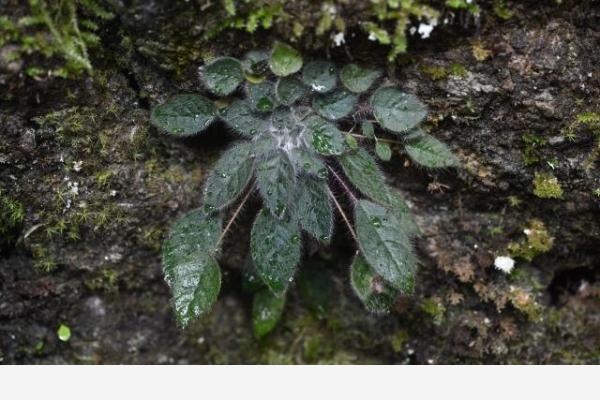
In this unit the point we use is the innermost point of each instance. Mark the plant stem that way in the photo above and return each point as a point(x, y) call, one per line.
point(379, 139)
point(341, 181)
point(343, 214)
point(236, 213)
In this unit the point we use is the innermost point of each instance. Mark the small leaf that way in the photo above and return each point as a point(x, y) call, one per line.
point(276, 181)
point(397, 111)
point(184, 114)
point(351, 142)
point(261, 96)
point(335, 105)
point(289, 90)
point(189, 265)
point(316, 287)
point(63, 333)
point(426, 150)
point(240, 116)
point(358, 79)
point(275, 247)
point(385, 245)
point(229, 177)
point(223, 75)
point(368, 129)
point(363, 172)
point(320, 76)
point(326, 139)
point(313, 208)
point(251, 281)
point(375, 294)
point(266, 312)
point(383, 151)
point(256, 65)
point(285, 60)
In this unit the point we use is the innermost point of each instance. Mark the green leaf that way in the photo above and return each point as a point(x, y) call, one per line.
point(223, 75)
point(394, 200)
point(289, 90)
point(351, 142)
point(266, 312)
point(275, 247)
point(358, 79)
point(363, 172)
point(189, 265)
point(313, 208)
point(383, 151)
point(184, 114)
point(63, 333)
point(371, 289)
point(385, 245)
point(229, 177)
point(326, 139)
point(368, 129)
point(285, 60)
point(261, 96)
point(397, 111)
point(428, 151)
point(335, 105)
point(309, 162)
point(251, 281)
point(240, 116)
point(320, 76)
point(316, 287)
point(276, 180)
point(256, 65)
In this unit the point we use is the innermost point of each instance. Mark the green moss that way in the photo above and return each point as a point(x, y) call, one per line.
point(538, 241)
point(398, 340)
point(531, 148)
point(546, 186)
point(435, 309)
point(12, 215)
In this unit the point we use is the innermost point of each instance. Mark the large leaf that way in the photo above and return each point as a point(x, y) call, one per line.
point(285, 60)
point(229, 178)
point(325, 138)
point(364, 173)
point(307, 161)
point(275, 247)
point(313, 208)
point(261, 96)
point(189, 264)
point(396, 110)
point(426, 150)
point(184, 114)
point(385, 245)
point(376, 295)
point(335, 105)
point(266, 312)
point(223, 75)
point(394, 200)
point(276, 181)
point(358, 79)
point(240, 116)
point(320, 76)
point(289, 90)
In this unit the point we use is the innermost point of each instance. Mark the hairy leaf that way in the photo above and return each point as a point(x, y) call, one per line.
point(320, 76)
point(276, 181)
point(326, 139)
point(285, 60)
point(184, 114)
point(289, 90)
point(240, 116)
point(313, 209)
point(335, 105)
point(393, 199)
point(189, 265)
point(364, 173)
point(371, 289)
point(261, 96)
point(428, 151)
point(223, 75)
point(367, 129)
point(397, 111)
point(229, 177)
point(385, 245)
point(358, 79)
point(266, 312)
point(307, 161)
point(383, 151)
point(275, 247)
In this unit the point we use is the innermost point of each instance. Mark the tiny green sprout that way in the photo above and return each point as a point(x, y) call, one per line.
point(63, 333)
point(307, 152)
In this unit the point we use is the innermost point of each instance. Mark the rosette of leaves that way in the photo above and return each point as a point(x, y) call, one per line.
point(304, 145)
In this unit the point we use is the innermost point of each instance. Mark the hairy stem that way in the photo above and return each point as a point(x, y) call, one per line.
point(236, 213)
point(341, 181)
point(343, 214)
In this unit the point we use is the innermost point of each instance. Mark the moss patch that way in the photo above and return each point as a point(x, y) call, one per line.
point(546, 186)
point(538, 241)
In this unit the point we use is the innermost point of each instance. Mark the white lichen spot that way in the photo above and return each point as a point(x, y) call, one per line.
point(504, 264)
point(77, 166)
point(339, 39)
point(425, 29)
point(372, 37)
point(317, 87)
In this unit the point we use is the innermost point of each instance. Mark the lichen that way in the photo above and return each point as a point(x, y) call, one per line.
point(546, 186)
